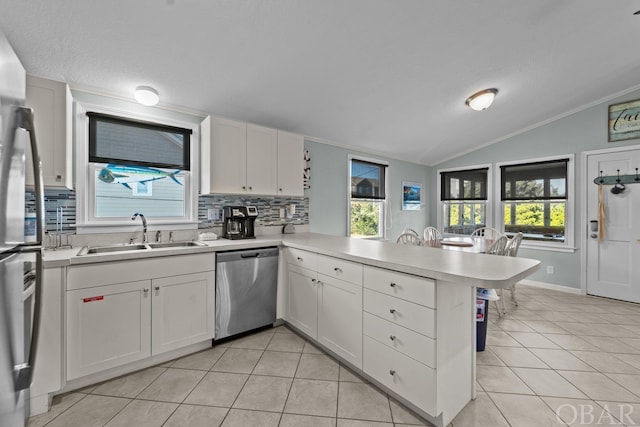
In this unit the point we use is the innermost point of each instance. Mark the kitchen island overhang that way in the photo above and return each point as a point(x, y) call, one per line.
point(480, 270)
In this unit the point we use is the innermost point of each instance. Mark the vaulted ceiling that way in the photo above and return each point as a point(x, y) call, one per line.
point(384, 76)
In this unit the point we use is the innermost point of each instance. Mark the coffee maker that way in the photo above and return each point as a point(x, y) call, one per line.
point(239, 222)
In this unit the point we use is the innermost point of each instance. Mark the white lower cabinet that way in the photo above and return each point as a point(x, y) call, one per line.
point(326, 309)
point(181, 311)
point(340, 318)
point(409, 378)
point(107, 326)
point(302, 304)
point(110, 325)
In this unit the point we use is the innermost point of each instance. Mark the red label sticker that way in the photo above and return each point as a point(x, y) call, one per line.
point(100, 298)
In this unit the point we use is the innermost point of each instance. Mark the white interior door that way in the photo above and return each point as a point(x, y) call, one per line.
point(613, 264)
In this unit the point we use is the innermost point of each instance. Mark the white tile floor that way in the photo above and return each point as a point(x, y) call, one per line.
point(557, 353)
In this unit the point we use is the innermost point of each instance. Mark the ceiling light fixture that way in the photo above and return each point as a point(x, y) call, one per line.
point(481, 100)
point(146, 95)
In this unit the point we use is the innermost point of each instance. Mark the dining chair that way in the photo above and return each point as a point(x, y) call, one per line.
point(410, 239)
point(431, 233)
point(486, 233)
point(499, 247)
point(512, 250)
point(410, 230)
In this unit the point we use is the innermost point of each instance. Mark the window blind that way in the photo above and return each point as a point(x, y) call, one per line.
point(464, 185)
point(367, 180)
point(534, 181)
point(118, 140)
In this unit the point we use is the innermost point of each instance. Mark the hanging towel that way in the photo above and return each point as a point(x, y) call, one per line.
point(601, 214)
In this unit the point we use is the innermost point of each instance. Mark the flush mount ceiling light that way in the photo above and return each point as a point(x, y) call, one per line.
point(146, 95)
point(481, 100)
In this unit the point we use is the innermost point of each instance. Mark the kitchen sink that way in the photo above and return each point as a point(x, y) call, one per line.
point(89, 250)
point(94, 250)
point(174, 245)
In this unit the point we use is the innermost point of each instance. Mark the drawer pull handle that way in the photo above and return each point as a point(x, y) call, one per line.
point(145, 290)
point(392, 337)
point(300, 259)
point(157, 288)
point(393, 285)
point(392, 311)
point(313, 280)
point(337, 270)
point(392, 372)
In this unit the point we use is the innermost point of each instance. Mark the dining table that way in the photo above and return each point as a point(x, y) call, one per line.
point(461, 243)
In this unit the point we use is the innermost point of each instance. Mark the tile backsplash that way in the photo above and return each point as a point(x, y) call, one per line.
point(268, 208)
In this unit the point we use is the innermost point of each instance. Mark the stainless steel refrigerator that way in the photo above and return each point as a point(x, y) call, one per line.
point(20, 262)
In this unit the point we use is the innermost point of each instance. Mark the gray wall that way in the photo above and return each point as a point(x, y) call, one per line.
point(583, 131)
point(328, 194)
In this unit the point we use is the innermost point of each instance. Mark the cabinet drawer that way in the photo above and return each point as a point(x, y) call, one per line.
point(411, 288)
point(405, 376)
point(412, 344)
point(340, 269)
point(413, 316)
point(301, 258)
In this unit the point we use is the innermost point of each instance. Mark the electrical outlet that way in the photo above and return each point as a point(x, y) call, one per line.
point(213, 214)
point(550, 269)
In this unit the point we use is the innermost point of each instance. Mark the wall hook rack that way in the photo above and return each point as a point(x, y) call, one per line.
point(617, 179)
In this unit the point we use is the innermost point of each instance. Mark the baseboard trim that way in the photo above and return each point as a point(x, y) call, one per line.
point(553, 287)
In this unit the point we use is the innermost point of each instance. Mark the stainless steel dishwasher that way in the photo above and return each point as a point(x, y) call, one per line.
point(246, 290)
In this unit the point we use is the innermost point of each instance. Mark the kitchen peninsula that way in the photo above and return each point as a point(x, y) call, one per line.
point(401, 316)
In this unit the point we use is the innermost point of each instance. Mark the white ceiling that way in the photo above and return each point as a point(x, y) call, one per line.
point(384, 76)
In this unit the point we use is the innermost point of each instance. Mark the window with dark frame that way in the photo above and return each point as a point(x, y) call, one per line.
point(367, 198)
point(463, 194)
point(534, 198)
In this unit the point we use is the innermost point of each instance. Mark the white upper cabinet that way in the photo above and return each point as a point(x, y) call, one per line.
point(290, 164)
point(241, 158)
point(52, 105)
point(262, 155)
point(223, 156)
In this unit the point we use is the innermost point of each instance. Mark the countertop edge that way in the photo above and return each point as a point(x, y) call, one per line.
point(488, 271)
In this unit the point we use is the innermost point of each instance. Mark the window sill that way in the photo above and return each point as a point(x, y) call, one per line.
point(548, 248)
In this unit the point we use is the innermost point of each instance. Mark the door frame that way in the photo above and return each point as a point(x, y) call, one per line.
point(583, 206)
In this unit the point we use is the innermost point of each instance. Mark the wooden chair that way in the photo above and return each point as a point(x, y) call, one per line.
point(430, 234)
point(410, 230)
point(410, 239)
point(499, 247)
point(512, 250)
point(486, 233)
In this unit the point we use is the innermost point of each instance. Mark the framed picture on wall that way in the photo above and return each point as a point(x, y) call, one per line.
point(411, 196)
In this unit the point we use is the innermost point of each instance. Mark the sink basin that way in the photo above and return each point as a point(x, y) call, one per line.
point(174, 245)
point(88, 250)
point(93, 250)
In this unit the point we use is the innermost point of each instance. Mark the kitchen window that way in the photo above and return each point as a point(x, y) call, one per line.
point(367, 198)
point(133, 164)
point(537, 201)
point(463, 196)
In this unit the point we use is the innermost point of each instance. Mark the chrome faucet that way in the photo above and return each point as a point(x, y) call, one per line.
point(144, 225)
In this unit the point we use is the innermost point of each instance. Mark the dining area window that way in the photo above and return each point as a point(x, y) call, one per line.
point(534, 198)
point(463, 196)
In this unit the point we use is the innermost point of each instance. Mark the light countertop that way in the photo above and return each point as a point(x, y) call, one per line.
point(488, 271)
